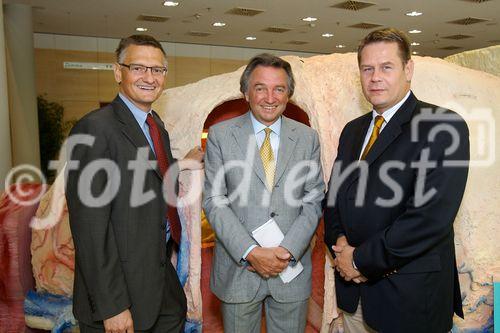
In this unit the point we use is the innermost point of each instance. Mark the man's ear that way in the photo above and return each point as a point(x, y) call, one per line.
point(117, 70)
point(409, 70)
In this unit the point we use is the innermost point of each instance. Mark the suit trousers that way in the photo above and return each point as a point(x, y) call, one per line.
point(280, 317)
point(354, 323)
point(173, 310)
point(164, 324)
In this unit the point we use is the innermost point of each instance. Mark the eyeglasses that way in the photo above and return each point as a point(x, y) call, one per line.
point(141, 70)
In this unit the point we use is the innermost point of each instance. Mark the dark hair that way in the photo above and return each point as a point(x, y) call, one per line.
point(143, 40)
point(267, 60)
point(389, 35)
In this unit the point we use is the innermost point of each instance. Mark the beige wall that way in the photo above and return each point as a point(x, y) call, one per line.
point(81, 91)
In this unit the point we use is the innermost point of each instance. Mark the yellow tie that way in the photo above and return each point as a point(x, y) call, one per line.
point(267, 156)
point(379, 120)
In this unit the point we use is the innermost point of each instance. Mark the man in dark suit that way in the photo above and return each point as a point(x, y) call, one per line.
point(395, 190)
point(120, 167)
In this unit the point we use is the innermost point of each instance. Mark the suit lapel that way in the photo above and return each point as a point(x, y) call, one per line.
point(164, 136)
point(390, 132)
point(133, 132)
point(359, 137)
point(393, 129)
point(288, 141)
point(355, 151)
point(244, 135)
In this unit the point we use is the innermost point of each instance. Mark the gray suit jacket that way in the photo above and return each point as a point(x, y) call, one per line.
point(237, 201)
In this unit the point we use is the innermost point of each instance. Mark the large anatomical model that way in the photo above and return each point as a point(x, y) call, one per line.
point(328, 90)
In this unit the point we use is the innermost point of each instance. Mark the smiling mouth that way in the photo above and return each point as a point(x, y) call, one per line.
point(147, 88)
point(270, 107)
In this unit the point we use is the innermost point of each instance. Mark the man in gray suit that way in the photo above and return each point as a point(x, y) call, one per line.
point(262, 167)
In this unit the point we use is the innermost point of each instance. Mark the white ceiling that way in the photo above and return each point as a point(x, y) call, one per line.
point(118, 18)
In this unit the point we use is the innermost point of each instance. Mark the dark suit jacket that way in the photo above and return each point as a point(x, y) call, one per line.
point(406, 249)
point(120, 249)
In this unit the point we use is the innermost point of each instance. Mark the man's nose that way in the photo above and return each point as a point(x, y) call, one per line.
point(269, 96)
point(148, 76)
point(375, 75)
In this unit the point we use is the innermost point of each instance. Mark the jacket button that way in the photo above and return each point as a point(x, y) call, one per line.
point(163, 264)
point(273, 214)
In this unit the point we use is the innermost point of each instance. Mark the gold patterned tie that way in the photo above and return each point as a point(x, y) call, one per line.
point(379, 120)
point(267, 156)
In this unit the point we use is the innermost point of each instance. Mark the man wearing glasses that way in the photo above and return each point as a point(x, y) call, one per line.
point(124, 280)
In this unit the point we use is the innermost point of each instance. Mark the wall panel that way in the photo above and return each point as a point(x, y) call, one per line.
point(81, 91)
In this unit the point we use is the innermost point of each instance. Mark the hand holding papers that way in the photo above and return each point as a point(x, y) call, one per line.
point(270, 235)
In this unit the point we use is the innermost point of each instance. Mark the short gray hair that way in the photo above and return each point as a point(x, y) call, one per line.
point(267, 60)
point(142, 40)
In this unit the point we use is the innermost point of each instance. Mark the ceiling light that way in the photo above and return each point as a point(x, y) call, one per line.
point(250, 38)
point(415, 44)
point(141, 29)
point(309, 19)
point(170, 3)
point(414, 52)
point(340, 46)
point(327, 35)
point(413, 13)
point(219, 24)
point(415, 31)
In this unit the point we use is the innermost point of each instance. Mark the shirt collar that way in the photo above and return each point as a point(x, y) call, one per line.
point(258, 126)
point(139, 115)
point(389, 113)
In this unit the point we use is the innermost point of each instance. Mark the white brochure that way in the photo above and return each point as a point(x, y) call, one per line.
point(270, 235)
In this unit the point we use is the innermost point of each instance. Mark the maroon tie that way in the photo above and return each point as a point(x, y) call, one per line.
point(161, 157)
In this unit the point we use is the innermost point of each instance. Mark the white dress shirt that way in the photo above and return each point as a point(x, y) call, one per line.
point(388, 114)
point(260, 135)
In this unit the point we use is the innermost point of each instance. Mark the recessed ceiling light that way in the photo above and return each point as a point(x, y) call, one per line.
point(250, 38)
point(415, 44)
point(309, 19)
point(141, 29)
point(415, 31)
point(219, 24)
point(414, 52)
point(413, 13)
point(170, 3)
point(327, 35)
point(340, 46)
